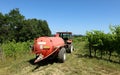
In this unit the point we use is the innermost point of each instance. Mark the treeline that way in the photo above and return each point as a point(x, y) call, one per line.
point(103, 44)
point(14, 26)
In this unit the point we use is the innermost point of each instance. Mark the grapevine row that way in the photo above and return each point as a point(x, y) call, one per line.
point(103, 44)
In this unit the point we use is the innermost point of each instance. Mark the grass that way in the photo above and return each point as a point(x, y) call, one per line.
point(77, 63)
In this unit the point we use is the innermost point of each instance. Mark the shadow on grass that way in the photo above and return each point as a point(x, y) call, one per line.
point(98, 58)
point(42, 63)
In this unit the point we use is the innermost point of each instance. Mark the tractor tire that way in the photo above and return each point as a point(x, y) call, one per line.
point(70, 47)
point(62, 55)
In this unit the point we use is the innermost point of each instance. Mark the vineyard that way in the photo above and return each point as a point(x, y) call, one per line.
point(105, 45)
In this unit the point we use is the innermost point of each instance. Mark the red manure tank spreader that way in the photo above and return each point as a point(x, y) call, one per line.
point(45, 47)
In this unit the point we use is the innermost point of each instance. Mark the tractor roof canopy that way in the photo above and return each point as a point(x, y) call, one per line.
point(64, 32)
point(65, 35)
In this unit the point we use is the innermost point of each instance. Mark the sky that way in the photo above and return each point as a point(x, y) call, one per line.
point(77, 16)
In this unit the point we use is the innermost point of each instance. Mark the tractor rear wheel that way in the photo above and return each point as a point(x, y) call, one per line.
point(62, 55)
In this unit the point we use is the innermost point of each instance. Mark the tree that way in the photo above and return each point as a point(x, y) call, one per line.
point(45, 28)
point(14, 26)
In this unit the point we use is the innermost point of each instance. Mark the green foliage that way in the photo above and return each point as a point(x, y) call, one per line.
point(104, 43)
point(14, 50)
point(13, 25)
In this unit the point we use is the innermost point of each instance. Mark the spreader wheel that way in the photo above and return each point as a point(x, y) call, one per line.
point(62, 55)
point(70, 48)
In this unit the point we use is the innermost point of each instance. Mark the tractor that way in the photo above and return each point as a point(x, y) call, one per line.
point(67, 37)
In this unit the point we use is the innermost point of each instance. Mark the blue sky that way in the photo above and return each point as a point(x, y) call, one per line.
point(77, 16)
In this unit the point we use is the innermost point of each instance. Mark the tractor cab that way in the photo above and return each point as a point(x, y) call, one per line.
point(67, 37)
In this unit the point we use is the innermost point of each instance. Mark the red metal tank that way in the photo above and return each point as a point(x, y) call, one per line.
point(46, 46)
